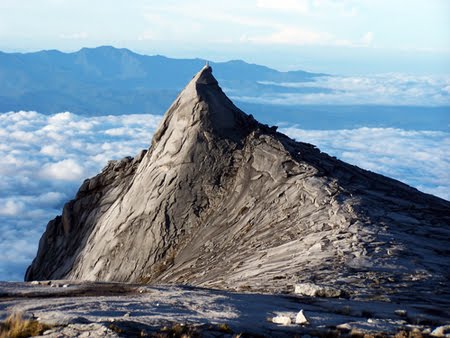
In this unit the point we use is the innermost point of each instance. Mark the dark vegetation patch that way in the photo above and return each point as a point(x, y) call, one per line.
point(15, 326)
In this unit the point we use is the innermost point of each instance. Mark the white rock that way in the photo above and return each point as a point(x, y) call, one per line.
point(300, 318)
point(441, 331)
point(306, 289)
point(48, 332)
point(401, 313)
point(65, 286)
point(282, 320)
point(35, 282)
point(344, 327)
point(313, 290)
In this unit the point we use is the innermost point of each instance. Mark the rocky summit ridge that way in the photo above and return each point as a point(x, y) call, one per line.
point(220, 200)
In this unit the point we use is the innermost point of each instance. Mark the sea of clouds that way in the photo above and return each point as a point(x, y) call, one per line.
point(382, 89)
point(45, 158)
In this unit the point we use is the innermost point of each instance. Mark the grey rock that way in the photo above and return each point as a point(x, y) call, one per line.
point(80, 330)
point(282, 320)
point(220, 200)
point(441, 331)
point(313, 290)
point(76, 311)
point(346, 327)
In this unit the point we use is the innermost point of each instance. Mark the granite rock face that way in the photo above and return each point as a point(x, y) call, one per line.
point(220, 200)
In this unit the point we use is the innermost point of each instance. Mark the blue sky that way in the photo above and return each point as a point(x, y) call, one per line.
point(345, 36)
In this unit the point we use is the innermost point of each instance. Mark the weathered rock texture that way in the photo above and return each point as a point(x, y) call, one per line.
point(220, 200)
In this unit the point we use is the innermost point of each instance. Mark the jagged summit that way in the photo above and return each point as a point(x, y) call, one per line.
point(204, 76)
point(220, 200)
point(204, 103)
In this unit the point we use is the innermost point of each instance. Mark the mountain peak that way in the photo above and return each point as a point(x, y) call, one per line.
point(221, 201)
point(202, 105)
point(204, 76)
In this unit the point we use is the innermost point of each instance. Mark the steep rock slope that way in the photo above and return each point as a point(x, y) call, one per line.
point(221, 200)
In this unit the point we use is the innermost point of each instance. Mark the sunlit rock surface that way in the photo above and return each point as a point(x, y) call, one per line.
point(130, 310)
point(220, 200)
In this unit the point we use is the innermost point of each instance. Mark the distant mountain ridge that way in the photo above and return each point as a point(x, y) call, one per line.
point(111, 81)
point(107, 80)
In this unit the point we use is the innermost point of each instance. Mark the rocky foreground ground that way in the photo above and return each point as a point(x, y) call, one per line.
point(74, 309)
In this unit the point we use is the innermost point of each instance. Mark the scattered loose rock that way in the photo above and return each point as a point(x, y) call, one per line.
point(441, 331)
point(401, 313)
point(282, 320)
point(131, 312)
point(300, 318)
point(344, 327)
point(313, 290)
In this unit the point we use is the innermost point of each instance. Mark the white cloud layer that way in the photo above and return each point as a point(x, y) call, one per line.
point(65, 170)
point(45, 159)
point(418, 158)
point(383, 89)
